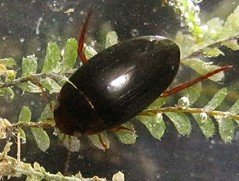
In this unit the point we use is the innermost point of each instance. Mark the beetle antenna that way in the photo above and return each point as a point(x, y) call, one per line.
point(82, 39)
point(192, 82)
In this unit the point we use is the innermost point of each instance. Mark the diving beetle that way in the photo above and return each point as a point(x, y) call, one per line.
point(118, 83)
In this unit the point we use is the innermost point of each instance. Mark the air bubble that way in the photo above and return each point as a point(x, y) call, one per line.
point(70, 19)
point(183, 102)
point(55, 133)
point(203, 117)
point(32, 103)
point(134, 32)
point(55, 5)
point(23, 141)
point(197, 9)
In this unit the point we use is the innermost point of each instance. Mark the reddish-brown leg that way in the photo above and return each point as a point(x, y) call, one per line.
point(192, 82)
point(104, 145)
point(82, 39)
point(119, 128)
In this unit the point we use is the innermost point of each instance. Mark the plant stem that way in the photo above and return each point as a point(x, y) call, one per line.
point(223, 114)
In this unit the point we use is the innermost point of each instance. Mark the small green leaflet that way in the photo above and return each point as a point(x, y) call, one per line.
point(52, 60)
point(226, 129)
point(70, 54)
point(231, 26)
point(7, 93)
point(96, 140)
point(42, 138)
point(126, 136)
point(25, 115)
point(158, 103)
point(51, 85)
point(214, 26)
point(204, 67)
point(72, 143)
point(47, 115)
point(29, 65)
point(111, 39)
point(180, 121)
point(193, 93)
point(8, 62)
point(154, 124)
point(89, 52)
point(30, 87)
point(216, 100)
point(213, 52)
point(235, 109)
point(232, 44)
point(205, 124)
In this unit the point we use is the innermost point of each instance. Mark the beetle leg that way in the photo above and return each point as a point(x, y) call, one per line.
point(82, 39)
point(192, 82)
point(104, 145)
point(119, 128)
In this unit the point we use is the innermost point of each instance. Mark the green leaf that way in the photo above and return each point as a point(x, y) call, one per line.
point(72, 143)
point(50, 85)
point(126, 136)
point(70, 54)
point(30, 87)
point(232, 44)
point(234, 109)
point(193, 93)
point(231, 26)
point(89, 52)
point(29, 65)
point(42, 138)
point(52, 59)
point(96, 140)
point(180, 121)
point(25, 115)
point(186, 44)
point(47, 115)
point(214, 26)
point(213, 52)
point(226, 128)
point(216, 100)
point(204, 67)
point(10, 76)
point(154, 124)
point(111, 39)
point(158, 103)
point(7, 93)
point(205, 124)
point(8, 62)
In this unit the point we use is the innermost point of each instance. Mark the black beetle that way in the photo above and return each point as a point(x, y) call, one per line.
point(116, 85)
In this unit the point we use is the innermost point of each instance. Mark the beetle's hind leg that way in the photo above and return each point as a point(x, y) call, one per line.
point(192, 82)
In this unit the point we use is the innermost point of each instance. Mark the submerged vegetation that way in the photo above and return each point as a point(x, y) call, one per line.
point(200, 41)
